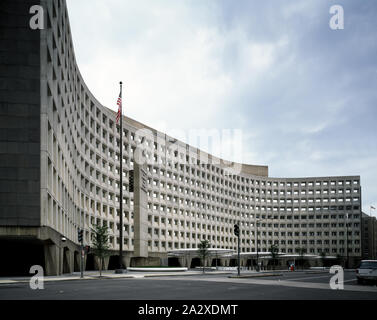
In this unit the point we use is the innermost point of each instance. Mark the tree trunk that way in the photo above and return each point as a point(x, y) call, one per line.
point(100, 267)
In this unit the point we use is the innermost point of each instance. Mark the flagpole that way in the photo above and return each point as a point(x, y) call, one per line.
point(121, 187)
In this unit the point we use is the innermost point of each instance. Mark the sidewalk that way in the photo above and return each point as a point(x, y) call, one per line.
point(94, 275)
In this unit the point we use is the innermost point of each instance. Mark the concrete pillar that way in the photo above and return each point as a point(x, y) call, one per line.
point(96, 263)
point(185, 261)
point(126, 261)
point(76, 261)
point(68, 260)
point(164, 261)
point(182, 261)
point(71, 261)
point(84, 262)
point(106, 263)
point(52, 260)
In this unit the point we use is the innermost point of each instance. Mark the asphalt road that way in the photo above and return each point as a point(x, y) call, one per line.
point(207, 287)
point(314, 277)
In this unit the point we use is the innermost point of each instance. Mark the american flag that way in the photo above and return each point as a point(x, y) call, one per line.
point(119, 103)
point(373, 208)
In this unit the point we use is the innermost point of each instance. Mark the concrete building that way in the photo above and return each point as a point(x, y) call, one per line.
point(59, 172)
point(369, 237)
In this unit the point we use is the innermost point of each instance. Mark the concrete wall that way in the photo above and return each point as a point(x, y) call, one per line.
point(19, 116)
point(140, 209)
point(369, 237)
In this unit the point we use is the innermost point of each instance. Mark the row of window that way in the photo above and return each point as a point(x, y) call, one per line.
point(176, 245)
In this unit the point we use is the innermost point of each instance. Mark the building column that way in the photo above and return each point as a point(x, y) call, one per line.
point(182, 261)
point(84, 262)
point(140, 208)
point(96, 263)
point(106, 261)
point(68, 260)
point(76, 261)
point(126, 261)
point(52, 260)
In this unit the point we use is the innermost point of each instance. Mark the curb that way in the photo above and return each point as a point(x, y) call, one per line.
point(45, 280)
point(108, 277)
point(182, 274)
point(257, 275)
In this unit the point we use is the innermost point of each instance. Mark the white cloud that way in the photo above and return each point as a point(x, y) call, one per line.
point(171, 72)
point(185, 67)
point(173, 69)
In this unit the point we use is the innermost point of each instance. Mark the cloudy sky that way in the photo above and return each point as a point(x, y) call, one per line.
point(303, 96)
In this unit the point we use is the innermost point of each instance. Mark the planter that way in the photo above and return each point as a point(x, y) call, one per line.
point(135, 269)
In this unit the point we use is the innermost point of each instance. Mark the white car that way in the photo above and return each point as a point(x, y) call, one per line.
point(367, 271)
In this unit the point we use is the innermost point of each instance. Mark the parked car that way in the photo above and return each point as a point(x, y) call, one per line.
point(367, 271)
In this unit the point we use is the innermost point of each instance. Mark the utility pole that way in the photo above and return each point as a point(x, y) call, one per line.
point(81, 240)
point(237, 233)
point(239, 255)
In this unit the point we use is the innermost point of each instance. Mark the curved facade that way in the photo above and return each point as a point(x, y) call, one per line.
point(188, 199)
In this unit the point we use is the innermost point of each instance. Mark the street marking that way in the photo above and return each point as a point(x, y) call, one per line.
point(7, 281)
